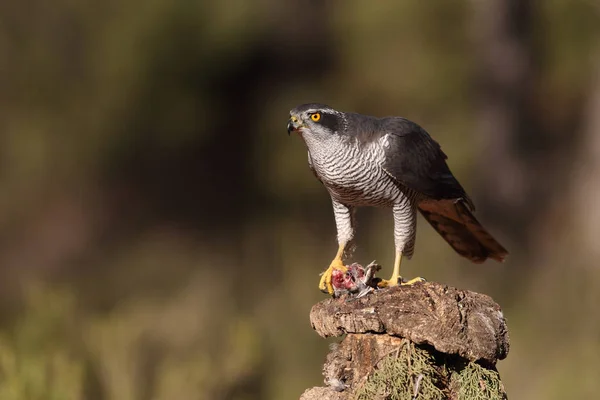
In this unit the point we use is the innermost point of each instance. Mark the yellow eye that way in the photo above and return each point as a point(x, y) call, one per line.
point(315, 117)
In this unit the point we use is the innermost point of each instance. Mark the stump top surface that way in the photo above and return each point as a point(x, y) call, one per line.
point(451, 320)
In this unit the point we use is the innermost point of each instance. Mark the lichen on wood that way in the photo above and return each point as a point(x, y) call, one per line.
point(405, 373)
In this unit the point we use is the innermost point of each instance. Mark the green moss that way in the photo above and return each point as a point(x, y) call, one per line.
point(395, 377)
point(438, 377)
point(476, 382)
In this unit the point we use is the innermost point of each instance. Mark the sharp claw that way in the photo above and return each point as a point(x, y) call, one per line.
point(401, 282)
point(325, 284)
point(412, 281)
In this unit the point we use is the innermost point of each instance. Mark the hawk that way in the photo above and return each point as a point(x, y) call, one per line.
point(388, 162)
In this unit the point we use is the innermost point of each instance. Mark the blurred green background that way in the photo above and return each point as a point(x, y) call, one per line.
point(161, 236)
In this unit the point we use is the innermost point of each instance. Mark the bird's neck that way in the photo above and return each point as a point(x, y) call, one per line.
point(322, 147)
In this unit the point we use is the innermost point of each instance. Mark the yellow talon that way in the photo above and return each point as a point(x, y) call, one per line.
point(413, 281)
point(387, 283)
point(396, 278)
point(337, 263)
point(325, 283)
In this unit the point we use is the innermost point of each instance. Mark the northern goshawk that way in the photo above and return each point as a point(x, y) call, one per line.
point(388, 162)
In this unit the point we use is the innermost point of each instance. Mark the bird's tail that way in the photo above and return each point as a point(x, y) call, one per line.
point(459, 227)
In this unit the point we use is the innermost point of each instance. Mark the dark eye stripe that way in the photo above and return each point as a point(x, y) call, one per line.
point(330, 121)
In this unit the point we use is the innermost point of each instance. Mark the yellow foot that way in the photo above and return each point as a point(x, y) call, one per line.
point(396, 281)
point(325, 283)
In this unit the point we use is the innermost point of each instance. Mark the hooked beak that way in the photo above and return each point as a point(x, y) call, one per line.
point(292, 125)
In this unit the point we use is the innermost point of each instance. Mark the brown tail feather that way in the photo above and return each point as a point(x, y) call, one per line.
point(459, 227)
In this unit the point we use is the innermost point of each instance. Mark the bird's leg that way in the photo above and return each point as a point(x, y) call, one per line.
point(396, 279)
point(344, 222)
point(405, 227)
point(337, 263)
point(393, 281)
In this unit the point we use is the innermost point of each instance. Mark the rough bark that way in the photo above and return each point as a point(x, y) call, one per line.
point(427, 339)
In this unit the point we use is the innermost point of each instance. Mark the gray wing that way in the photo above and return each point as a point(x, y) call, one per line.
point(417, 161)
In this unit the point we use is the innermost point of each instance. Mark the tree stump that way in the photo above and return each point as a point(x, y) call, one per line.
point(424, 341)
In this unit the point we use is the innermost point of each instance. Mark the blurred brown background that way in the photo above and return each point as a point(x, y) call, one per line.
point(161, 236)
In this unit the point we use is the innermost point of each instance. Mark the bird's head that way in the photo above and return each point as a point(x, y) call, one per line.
point(316, 121)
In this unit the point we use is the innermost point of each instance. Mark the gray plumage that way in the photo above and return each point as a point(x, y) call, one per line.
point(389, 162)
